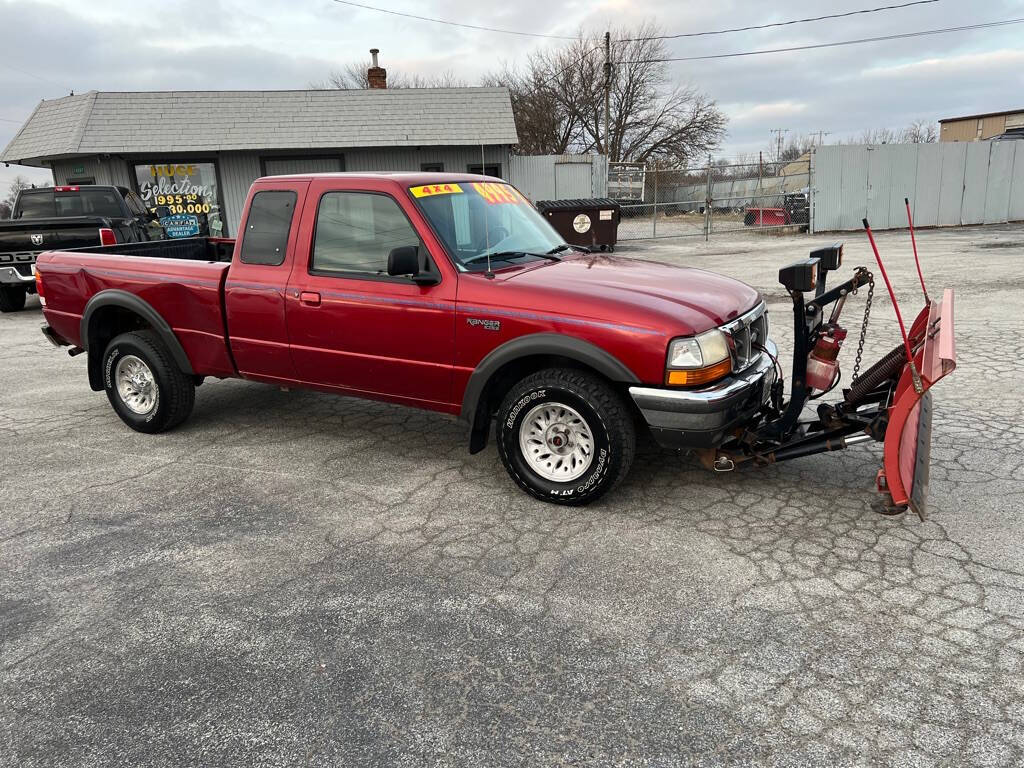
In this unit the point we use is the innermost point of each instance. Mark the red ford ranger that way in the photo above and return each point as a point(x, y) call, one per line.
point(441, 291)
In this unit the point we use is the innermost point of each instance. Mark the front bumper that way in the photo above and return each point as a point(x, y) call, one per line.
point(704, 418)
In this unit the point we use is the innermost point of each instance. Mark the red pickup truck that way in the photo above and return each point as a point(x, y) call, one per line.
point(443, 291)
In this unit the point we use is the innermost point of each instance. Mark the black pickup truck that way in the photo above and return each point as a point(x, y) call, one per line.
point(60, 218)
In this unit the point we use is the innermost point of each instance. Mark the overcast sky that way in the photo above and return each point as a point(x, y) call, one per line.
point(50, 48)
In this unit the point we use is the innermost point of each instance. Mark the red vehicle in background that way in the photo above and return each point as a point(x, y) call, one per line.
point(452, 293)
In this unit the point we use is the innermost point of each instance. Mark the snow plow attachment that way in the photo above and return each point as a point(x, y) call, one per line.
point(907, 456)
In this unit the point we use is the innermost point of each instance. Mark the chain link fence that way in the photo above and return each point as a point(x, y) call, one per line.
point(715, 198)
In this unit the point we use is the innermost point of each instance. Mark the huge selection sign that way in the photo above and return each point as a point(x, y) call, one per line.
point(184, 195)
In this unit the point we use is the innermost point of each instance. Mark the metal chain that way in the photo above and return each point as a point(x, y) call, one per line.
point(864, 328)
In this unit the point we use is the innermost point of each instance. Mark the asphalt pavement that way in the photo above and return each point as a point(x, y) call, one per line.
point(294, 578)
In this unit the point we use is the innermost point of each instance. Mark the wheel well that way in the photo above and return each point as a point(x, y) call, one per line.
point(503, 379)
point(105, 324)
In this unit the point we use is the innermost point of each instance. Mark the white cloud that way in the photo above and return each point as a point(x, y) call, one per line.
point(211, 44)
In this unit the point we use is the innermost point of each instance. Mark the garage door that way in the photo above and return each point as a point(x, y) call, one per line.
point(283, 165)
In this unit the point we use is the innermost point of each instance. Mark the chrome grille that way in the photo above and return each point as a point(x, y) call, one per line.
point(747, 334)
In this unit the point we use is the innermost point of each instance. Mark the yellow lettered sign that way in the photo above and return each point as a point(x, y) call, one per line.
point(496, 194)
point(429, 190)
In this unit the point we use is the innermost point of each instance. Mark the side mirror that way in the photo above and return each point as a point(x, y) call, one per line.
point(405, 261)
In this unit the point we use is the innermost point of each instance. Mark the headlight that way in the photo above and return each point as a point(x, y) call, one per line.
point(698, 359)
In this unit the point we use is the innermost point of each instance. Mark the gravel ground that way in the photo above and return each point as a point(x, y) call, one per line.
point(295, 578)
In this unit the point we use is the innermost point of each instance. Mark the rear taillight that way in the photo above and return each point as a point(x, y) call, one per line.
point(107, 236)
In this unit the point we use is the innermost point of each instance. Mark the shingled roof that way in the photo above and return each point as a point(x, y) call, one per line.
point(207, 121)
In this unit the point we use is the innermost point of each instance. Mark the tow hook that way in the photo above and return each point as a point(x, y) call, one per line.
point(723, 464)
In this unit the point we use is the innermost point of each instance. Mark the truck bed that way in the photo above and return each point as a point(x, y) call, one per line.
point(188, 249)
point(183, 281)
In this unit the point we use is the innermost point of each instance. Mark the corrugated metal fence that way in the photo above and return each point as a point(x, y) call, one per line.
point(949, 184)
point(559, 177)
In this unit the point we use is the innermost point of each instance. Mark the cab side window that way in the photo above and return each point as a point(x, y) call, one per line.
point(266, 229)
point(355, 232)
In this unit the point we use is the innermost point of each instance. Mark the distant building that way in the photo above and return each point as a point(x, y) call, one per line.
point(197, 152)
point(978, 127)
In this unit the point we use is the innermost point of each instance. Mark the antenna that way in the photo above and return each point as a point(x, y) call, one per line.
point(487, 234)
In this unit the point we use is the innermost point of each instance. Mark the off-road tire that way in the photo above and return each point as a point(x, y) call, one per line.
point(606, 415)
point(175, 391)
point(12, 298)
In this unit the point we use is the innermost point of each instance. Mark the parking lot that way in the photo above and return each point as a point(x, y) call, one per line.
point(293, 578)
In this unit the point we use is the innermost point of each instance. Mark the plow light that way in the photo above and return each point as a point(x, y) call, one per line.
point(800, 275)
point(697, 360)
point(830, 257)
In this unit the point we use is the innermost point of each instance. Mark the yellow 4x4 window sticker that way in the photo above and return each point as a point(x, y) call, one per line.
point(429, 190)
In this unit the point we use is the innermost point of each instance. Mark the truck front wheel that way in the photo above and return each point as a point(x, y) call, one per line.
point(145, 387)
point(12, 298)
point(565, 436)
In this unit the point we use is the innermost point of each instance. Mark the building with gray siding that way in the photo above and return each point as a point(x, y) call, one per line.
point(195, 153)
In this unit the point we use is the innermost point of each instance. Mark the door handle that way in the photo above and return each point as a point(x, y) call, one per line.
point(310, 298)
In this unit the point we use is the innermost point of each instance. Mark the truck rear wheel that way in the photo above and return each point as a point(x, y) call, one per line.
point(565, 436)
point(12, 298)
point(145, 387)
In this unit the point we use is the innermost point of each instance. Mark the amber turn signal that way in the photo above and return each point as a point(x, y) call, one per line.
point(698, 376)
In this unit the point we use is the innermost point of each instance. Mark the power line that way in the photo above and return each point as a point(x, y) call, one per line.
point(33, 74)
point(779, 23)
point(456, 23)
point(902, 36)
point(11, 120)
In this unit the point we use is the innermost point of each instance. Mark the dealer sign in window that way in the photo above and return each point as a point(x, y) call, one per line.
point(184, 196)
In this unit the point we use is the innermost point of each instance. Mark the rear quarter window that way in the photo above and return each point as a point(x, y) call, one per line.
point(36, 205)
point(266, 228)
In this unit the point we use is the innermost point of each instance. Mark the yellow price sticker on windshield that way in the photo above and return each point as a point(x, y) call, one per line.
point(429, 190)
point(496, 194)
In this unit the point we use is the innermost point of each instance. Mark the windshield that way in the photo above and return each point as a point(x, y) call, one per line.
point(475, 219)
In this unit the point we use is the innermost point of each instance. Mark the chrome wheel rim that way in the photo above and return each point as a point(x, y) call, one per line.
point(135, 384)
point(556, 442)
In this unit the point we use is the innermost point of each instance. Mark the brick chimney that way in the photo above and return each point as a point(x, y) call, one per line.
point(377, 76)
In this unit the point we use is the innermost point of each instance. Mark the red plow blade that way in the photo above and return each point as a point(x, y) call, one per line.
point(905, 471)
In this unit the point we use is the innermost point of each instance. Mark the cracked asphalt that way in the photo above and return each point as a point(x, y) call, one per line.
point(293, 578)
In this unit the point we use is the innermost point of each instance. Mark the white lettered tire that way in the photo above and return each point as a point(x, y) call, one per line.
point(565, 436)
point(144, 385)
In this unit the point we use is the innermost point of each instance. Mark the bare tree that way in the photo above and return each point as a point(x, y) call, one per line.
point(920, 132)
point(18, 183)
point(878, 136)
point(353, 76)
point(558, 100)
point(796, 147)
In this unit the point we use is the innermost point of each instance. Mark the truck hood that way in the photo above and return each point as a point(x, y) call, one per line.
point(690, 300)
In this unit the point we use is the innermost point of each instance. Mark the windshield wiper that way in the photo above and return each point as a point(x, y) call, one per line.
point(506, 255)
point(567, 247)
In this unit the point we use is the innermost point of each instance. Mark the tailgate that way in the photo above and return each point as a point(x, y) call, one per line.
point(36, 235)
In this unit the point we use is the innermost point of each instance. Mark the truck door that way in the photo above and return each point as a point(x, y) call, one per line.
point(254, 293)
point(351, 325)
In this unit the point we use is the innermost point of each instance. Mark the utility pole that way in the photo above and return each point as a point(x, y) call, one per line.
point(607, 96)
point(821, 136)
point(779, 133)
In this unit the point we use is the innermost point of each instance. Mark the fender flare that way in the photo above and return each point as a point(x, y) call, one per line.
point(525, 346)
point(131, 302)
